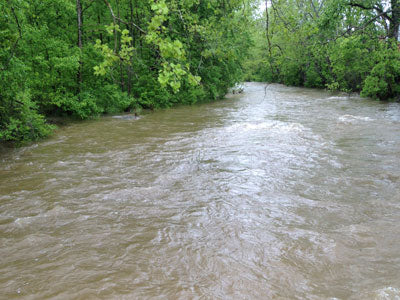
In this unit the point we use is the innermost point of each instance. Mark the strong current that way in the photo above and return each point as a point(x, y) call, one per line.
point(276, 193)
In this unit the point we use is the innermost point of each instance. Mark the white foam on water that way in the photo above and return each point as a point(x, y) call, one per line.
point(277, 126)
point(388, 293)
point(351, 119)
point(24, 221)
point(126, 117)
point(54, 213)
point(338, 97)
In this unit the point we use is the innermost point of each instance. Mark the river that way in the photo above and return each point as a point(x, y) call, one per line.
point(276, 193)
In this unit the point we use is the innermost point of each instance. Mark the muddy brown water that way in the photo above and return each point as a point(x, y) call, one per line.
point(276, 193)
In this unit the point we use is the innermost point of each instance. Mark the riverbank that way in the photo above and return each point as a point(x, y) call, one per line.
point(54, 122)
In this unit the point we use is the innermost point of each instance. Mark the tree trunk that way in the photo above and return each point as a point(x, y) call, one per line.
point(395, 20)
point(268, 38)
point(79, 21)
point(121, 69)
point(99, 25)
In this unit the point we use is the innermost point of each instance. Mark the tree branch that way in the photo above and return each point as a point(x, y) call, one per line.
point(115, 18)
point(378, 9)
point(14, 46)
point(354, 29)
point(89, 5)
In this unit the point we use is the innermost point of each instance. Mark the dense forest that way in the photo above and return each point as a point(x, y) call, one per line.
point(346, 45)
point(84, 58)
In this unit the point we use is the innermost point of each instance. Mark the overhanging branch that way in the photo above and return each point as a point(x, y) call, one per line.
point(378, 9)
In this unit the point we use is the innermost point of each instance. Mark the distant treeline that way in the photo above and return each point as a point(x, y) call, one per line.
point(346, 45)
point(83, 58)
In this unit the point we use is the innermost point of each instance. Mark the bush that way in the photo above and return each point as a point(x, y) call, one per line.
point(384, 80)
point(22, 123)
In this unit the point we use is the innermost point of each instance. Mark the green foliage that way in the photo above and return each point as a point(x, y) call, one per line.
point(24, 123)
point(383, 82)
point(331, 44)
point(125, 53)
point(173, 65)
point(160, 53)
point(350, 62)
point(155, 54)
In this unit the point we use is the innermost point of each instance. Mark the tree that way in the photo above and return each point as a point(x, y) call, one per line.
point(85, 58)
point(390, 14)
point(346, 45)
